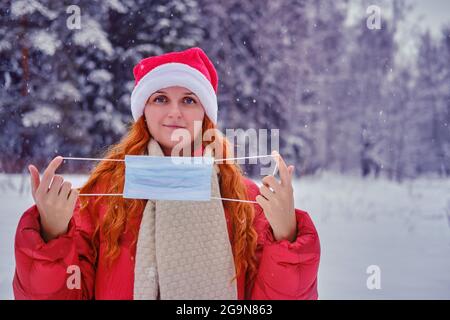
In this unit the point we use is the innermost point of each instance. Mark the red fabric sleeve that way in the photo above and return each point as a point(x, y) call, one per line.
point(286, 270)
point(42, 268)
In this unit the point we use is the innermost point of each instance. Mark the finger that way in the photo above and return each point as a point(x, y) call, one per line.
point(291, 170)
point(264, 203)
point(48, 174)
point(265, 191)
point(65, 190)
point(73, 196)
point(35, 180)
point(54, 189)
point(275, 170)
point(272, 182)
point(284, 173)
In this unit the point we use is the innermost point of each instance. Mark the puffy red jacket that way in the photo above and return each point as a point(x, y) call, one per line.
point(285, 270)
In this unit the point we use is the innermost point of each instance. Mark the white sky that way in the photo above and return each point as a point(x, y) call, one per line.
point(426, 14)
point(431, 14)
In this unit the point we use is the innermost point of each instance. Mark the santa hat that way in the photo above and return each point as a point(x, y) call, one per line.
point(190, 68)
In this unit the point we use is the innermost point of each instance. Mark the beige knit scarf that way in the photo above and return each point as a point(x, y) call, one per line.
point(183, 249)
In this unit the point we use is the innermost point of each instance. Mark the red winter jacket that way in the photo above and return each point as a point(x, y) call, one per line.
point(285, 270)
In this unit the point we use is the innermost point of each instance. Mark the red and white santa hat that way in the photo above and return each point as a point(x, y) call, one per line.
point(190, 68)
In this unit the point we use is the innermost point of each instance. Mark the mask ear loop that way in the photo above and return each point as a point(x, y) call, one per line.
point(275, 171)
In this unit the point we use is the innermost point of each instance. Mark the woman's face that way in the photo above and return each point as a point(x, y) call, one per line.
point(173, 108)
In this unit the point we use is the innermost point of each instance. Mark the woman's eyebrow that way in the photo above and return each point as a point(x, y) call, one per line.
point(186, 93)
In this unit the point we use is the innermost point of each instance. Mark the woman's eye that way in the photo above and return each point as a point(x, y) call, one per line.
point(189, 100)
point(160, 99)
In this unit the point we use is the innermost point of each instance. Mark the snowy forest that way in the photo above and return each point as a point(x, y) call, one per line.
point(341, 93)
point(358, 89)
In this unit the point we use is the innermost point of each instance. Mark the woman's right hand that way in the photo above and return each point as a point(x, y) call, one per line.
point(55, 202)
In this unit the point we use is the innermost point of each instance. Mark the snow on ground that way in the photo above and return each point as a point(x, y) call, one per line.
point(404, 229)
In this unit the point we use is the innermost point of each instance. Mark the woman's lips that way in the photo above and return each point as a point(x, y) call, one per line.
point(172, 126)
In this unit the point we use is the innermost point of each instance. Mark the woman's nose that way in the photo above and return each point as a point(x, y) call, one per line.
point(174, 110)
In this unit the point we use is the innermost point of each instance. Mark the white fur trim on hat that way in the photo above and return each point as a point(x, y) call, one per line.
point(174, 74)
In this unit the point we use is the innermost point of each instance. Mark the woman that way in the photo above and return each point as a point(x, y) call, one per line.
point(70, 245)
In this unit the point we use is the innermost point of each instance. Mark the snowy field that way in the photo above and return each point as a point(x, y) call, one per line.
point(404, 229)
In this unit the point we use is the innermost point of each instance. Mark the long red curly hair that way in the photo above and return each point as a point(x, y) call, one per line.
point(120, 212)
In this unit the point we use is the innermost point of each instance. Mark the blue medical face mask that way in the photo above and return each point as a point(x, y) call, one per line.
point(168, 178)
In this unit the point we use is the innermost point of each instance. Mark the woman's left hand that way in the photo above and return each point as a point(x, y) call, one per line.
point(278, 205)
